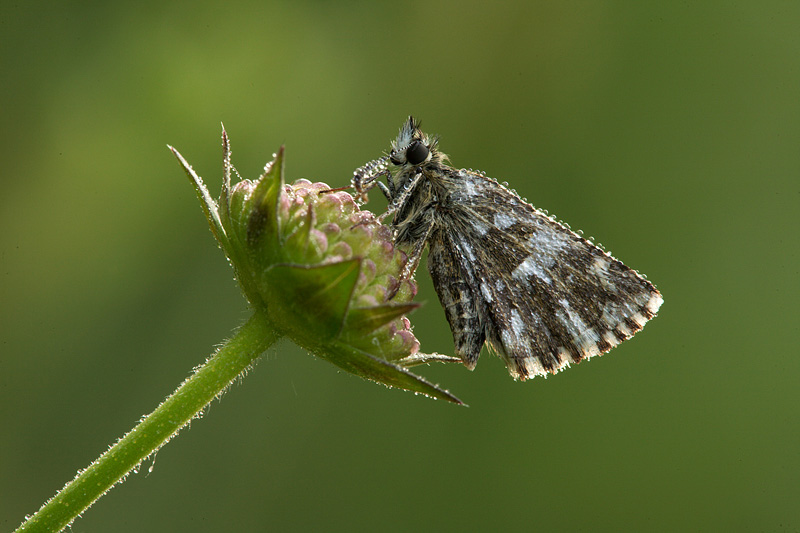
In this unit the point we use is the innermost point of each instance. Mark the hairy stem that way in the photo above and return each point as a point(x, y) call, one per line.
point(153, 431)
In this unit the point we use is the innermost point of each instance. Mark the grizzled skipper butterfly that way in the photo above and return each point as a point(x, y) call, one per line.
point(507, 274)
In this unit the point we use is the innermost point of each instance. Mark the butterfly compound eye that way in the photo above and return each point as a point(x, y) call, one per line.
point(416, 153)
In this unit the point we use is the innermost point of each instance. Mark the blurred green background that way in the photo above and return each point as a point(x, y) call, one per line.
point(669, 131)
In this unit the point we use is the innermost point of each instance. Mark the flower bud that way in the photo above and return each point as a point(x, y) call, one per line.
point(321, 270)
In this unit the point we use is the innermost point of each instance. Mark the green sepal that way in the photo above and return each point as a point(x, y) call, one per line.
point(368, 366)
point(263, 222)
point(368, 319)
point(208, 204)
point(317, 297)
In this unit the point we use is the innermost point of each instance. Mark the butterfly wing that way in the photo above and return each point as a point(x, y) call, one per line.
point(455, 279)
point(542, 296)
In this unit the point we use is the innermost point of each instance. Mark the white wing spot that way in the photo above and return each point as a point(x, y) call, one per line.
point(533, 367)
point(565, 356)
point(639, 319)
point(610, 338)
point(468, 250)
point(531, 267)
point(508, 339)
point(571, 320)
point(585, 338)
point(503, 221)
point(487, 294)
point(469, 188)
point(517, 325)
point(480, 227)
point(655, 302)
point(548, 245)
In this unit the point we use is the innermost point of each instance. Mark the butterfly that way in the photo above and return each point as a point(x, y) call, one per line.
point(507, 275)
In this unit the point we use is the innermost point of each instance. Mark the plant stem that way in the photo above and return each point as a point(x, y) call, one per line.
point(153, 431)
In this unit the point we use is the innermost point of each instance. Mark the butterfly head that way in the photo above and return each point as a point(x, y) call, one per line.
point(413, 148)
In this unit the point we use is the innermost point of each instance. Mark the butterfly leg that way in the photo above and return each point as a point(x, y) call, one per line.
point(367, 177)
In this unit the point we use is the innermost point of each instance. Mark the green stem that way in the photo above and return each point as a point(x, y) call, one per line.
point(152, 432)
